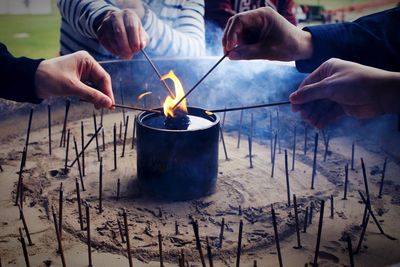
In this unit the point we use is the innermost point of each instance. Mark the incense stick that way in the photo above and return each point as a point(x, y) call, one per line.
point(24, 249)
point(201, 80)
point(364, 228)
point(121, 231)
point(305, 220)
point(64, 129)
point(209, 253)
point(352, 156)
point(103, 140)
point(296, 218)
point(86, 146)
point(49, 125)
point(198, 244)
point(160, 249)
point(294, 147)
point(21, 170)
point(382, 178)
point(310, 217)
point(89, 242)
point(118, 188)
point(328, 138)
point(350, 249)
point(239, 248)
point(134, 132)
point(223, 143)
point(346, 180)
point(176, 228)
point(115, 145)
point(278, 247)
point(321, 221)
point(120, 131)
point(332, 207)
point(79, 165)
point(60, 247)
point(314, 160)
point(128, 243)
point(60, 208)
point(274, 156)
point(137, 108)
point(240, 128)
point(157, 72)
point(28, 235)
point(250, 151)
point(67, 151)
point(287, 178)
point(221, 233)
point(250, 107)
point(96, 137)
point(125, 132)
point(278, 128)
point(305, 139)
point(83, 148)
point(78, 200)
point(101, 185)
point(28, 132)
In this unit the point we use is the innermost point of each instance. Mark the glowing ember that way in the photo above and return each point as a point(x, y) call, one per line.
point(209, 113)
point(140, 97)
point(170, 102)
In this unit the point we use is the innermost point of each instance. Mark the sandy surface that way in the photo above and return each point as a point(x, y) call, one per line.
point(252, 189)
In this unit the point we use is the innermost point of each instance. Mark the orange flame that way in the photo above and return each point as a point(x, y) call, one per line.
point(143, 95)
point(170, 102)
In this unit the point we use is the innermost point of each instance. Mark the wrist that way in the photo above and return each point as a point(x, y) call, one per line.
point(390, 97)
point(305, 46)
point(41, 79)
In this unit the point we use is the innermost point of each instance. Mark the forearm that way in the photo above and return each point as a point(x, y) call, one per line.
point(18, 77)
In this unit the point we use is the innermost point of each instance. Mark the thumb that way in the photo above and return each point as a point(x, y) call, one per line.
point(144, 37)
point(252, 51)
point(309, 93)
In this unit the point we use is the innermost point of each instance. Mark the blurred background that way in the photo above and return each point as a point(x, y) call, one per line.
point(31, 27)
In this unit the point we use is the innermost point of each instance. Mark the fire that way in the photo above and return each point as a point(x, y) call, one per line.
point(170, 102)
point(143, 95)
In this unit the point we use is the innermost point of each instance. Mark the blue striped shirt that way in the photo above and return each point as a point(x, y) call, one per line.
point(175, 27)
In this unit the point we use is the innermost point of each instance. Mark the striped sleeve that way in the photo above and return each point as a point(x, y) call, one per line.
point(186, 36)
point(81, 14)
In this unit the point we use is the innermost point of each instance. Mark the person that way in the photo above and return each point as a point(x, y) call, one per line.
point(110, 29)
point(354, 65)
point(32, 80)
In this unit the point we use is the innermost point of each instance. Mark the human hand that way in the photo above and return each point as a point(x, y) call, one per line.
point(340, 88)
point(122, 34)
point(136, 5)
point(264, 34)
point(69, 75)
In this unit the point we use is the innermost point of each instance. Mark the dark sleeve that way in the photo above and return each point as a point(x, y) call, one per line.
point(372, 40)
point(17, 77)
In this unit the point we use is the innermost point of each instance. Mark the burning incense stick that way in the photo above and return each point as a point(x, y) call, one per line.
point(314, 160)
point(382, 178)
point(240, 128)
point(78, 200)
point(250, 107)
point(209, 253)
point(305, 220)
point(125, 132)
point(64, 129)
point(274, 156)
point(239, 248)
point(28, 235)
point(278, 247)
point(60, 208)
point(332, 207)
point(121, 231)
point(287, 178)
point(160, 250)
point(89, 242)
point(101, 186)
point(223, 143)
point(60, 247)
point(67, 151)
point(294, 147)
point(221, 233)
point(305, 139)
point(86, 146)
point(128, 243)
point(134, 132)
point(201, 80)
point(352, 156)
point(21, 170)
point(49, 125)
point(137, 109)
point(79, 164)
point(346, 180)
point(103, 140)
point(250, 151)
point(115, 145)
point(296, 218)
point(96, 137)
point(118, 188)
point(350, 249)
point(321, 221)
point(24, 249)
point(157, 72)
point(83, 148)
point(28, 132)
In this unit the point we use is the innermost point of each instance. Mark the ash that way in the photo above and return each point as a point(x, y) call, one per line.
point(181, 121)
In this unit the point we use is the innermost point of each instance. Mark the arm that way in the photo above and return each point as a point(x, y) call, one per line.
point(185, 38)
point(371, 40)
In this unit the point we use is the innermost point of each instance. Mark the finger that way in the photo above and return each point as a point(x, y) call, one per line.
point(144, 37)
point(310, 92)
point(120, 37)
point(132, 28)
point(335, 113)
point(225, 34)
point(234, 30)
point(314, 77)
point(91, 95)
point(252, 51)
point(101, 79)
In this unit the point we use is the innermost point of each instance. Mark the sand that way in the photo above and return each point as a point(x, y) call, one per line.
point(251, 189)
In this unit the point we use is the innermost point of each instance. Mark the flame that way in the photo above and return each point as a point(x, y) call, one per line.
point(170, 102)
point(209, 113)
point(143, 95)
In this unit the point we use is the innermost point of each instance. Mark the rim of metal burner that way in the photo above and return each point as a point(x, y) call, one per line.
point(199, 112)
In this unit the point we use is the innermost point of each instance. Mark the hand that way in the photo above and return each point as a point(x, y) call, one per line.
point(340, 88)
point(136, 5)
point(264, 34)
point(122, 34)
point(69, 76)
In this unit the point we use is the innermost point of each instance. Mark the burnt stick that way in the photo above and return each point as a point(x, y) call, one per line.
point(250, 151)
point(274, 156)
point(60, 208)
point(60, 247)
point(240, 128)
point(239, 248)
point(223, 143)
point(201, 80)
point(364, 228)
point(321, 221)
point(49, 125)
point(332, 207)
point(118, 188)
point(125, 132)
point(365, 179)
point(79, 165)
point(64, 129)
point(294, 147)
point(305, 139)
point(86, 146)
point(352, 156)
point(101, 185)
point(250, 107)
point(209, 253)
point(89, 242)
point(160, 249)
point(287, 178)
point(83, 148)
point(115, 145)
point(314, 161)
point(346, 180)
point(221, 233)
point(278, 247)
point(103, 140)
point(28, 132)
point(328, 138)
point(67, 151)
point(121, 231)
point(278, 128)
point(134, 132)
point(28, 235)
point(296, 218)
point(157, 72)
point(78, 199)
point(195, 225)
point(382, 178)
point(128, 243)
point(21, 170)
point(96, 137)
point(24, 249)
point(305, 220)
point(120, 131)
point(350, 250)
